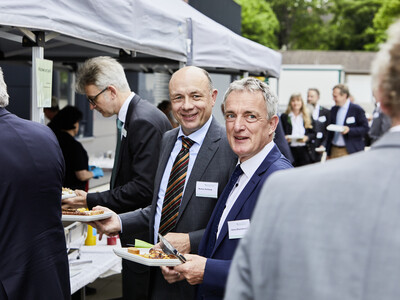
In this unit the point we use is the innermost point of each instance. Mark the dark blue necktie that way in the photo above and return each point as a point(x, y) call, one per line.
point(219, 209)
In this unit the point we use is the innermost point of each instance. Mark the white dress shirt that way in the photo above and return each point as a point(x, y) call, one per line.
point(249, 167)
point(297, 128)
point(124, 109)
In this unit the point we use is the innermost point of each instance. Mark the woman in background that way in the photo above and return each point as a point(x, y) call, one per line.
point(65, 125)
point(298, 127)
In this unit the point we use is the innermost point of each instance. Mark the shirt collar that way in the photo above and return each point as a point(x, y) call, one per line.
point(251, 165)
point(199, 135)
point(345, 105)
point(124, 108)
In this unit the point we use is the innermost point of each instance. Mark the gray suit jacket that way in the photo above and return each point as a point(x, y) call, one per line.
point(339, 240)
point(214, 163)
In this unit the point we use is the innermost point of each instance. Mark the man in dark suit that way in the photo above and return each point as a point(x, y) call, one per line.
point(321, 116)
point(34, 262)
point(251, 120)
point(211, 162)
point(141, 125)
point(355, 125)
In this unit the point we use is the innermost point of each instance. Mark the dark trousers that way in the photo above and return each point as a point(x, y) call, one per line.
point(135, 281)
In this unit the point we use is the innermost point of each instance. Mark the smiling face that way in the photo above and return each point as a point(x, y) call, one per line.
point(339, 98)
point(296, 104)
point(191, 98)
point(247, 125)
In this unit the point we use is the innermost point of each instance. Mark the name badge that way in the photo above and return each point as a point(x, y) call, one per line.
point(319, 135)
point(350, 120)
point(207, 189)
point(238, 228)
point(124, 132)
point(322, 119)
point(376, 115)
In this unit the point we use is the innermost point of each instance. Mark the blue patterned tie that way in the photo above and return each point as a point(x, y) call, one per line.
point(120, 125)
point(220, 209)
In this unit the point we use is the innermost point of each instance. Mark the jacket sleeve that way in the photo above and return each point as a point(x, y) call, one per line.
point(137, 192)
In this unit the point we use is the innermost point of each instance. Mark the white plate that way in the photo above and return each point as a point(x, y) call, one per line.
point(77, 218)
point(123, 252)
point(334, 127)
point(65, 196)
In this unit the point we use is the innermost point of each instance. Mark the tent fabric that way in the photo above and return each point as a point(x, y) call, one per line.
point(125, 24)
point(216, 46)
point(154, 27)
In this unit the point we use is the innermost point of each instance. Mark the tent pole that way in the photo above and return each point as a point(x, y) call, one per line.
point(37, 114)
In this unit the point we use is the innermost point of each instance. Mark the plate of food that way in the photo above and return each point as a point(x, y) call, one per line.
point(147, 257)
point(334, 127)
point(67, 193)
point(83, 215)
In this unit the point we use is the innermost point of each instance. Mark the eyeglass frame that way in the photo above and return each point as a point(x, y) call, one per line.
point(93, 100)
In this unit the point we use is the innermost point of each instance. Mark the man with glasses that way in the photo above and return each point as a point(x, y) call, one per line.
point(251, 120)
point(141, 127)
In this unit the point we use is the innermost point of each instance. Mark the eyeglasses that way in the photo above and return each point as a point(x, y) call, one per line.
point(93, 99)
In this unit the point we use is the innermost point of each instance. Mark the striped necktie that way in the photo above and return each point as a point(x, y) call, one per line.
point(176, 183)
point(120, 124)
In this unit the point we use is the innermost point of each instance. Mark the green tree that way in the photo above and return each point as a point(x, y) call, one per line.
point(259, 22)
point(386, 15)
point(349, 27)
point(301, 23)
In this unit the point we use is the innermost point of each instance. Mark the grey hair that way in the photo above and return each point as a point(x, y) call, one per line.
point(253, 85)
point(101, 71)
point(385, 71)
point(3, 91)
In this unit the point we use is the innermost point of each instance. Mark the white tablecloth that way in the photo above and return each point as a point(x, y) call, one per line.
point(103, 263)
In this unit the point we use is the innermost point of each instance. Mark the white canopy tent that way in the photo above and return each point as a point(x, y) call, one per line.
point(139, 32)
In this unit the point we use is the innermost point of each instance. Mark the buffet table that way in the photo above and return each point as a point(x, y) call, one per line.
point(94, 262)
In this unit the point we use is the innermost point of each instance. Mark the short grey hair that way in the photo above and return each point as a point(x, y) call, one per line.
point(385, 71)
point(253, 85)
point(101, 71)
point(3, 91)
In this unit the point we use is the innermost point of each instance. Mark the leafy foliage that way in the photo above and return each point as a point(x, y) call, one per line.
point(259, 22)
point(318, 24)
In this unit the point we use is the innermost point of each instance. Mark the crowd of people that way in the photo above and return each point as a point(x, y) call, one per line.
point(259, 232)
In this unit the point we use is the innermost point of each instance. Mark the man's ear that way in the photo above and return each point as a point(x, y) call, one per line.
point(273, 123)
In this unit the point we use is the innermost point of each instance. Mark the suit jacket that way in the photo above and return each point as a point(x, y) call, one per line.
point(34, 262)
point(214, 163)
point(218, 263)
point(282, 143)
point(138, 157)
point(320, 127)
point(338, 240)
point(354, 139)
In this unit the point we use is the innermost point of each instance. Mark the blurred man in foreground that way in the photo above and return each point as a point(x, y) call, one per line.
point(338, 240)
point(34, 262)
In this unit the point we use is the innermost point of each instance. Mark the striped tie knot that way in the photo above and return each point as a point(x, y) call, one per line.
point(187, 143)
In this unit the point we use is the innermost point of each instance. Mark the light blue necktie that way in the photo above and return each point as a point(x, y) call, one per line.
point(120, 125)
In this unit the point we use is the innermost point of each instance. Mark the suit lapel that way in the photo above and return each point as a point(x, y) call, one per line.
point(123, 147)
point(206, 152)
point(247, 193)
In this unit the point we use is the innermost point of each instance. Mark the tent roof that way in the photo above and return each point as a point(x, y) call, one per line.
point(143, 34)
